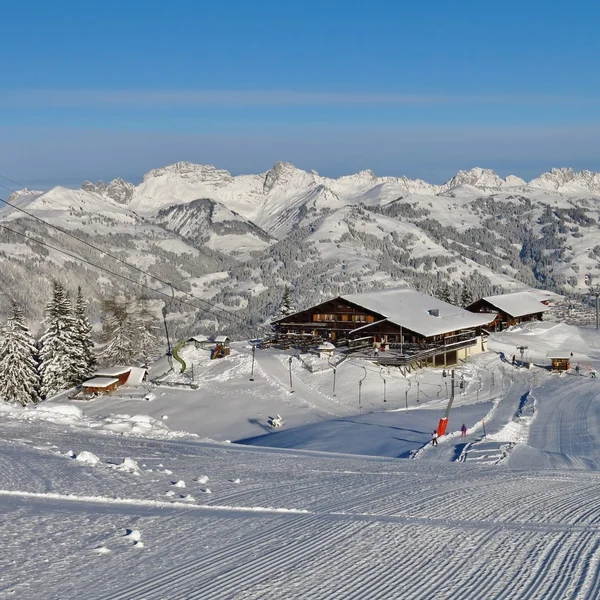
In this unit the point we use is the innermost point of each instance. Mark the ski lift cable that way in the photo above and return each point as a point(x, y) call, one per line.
point(232, 315)
point(75, 257)
point(129, 265)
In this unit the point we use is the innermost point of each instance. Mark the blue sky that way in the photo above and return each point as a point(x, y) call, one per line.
point(105, 89)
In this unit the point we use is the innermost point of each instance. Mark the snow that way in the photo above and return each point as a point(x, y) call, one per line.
point(112, 371)
point(517, 304)
point(409, 308)
point(322, 507)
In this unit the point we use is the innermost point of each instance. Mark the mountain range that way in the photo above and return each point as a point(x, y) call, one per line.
point(236, 241)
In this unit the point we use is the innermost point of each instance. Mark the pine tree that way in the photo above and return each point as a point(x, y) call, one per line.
point(84, 336)
point(443, 293)
point(466, 297)
point(145, 341)
point(118, 333)
point(286, 307)
point(19, 378)
point(61, 364)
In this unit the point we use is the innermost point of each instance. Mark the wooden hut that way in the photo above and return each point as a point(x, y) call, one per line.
point(100, 385)
point(561, 359)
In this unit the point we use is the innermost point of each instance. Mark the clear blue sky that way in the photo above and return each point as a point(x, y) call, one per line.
point(114, 88)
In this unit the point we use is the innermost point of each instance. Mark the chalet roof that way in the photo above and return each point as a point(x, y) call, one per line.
point(136, 376)
point(411, 309)
point(99, 382)
point(220, 339)
point(201, 339)
point(518, 304)
point(112, 371)
point(564, 354)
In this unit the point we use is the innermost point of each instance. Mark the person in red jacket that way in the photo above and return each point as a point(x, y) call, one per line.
point(463, 430)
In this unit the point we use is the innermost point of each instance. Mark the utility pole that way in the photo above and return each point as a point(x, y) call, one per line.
point(406, 395)
point(334, 368)
point(291, 385)
point(360, 390)
point(252, 370)
point(384, 385)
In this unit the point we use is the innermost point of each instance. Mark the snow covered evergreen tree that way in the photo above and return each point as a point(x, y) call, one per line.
point(443, 293)
point(19, 378)
point(117, 332)
point(286, 307)
point(128, 327)
point(145, 326)
point(61, 363)
point(466, 297)
point(84, 335)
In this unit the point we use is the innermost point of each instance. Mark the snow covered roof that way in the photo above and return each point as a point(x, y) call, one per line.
point(413, 310)
point(111, 371)
point(559, 354)
point(517, 304)
point(202, 339)
point(99, 382)
point(221, 339)
point(136, 377)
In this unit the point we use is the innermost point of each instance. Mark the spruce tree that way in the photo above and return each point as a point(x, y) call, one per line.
point(286, 307)
point(466, 297)
point(118, 332)
point(19, 378)
point(61, 364)
point(443, 293)
point(84, 336)
point(145, 326)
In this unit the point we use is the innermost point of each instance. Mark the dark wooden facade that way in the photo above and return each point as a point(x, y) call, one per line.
point(339, 319)
point(503, 319)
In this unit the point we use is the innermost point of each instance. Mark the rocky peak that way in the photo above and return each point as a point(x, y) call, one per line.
point(191, 171)
point(283, 174)
point(120, 191)
point(477, 177)
point(97, 187)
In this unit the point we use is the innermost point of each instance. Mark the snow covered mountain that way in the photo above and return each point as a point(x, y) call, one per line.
point(235, 241)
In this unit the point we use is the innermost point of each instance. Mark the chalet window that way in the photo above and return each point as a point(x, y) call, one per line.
point(344, 317)
point(359, 318)
point(370, 319)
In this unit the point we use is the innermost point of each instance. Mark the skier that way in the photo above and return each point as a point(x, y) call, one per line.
point(463, 430)
point(514, 360)
point(434, 438)
point(577, 368)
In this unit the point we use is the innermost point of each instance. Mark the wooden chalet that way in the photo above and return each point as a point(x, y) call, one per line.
point(514, 308)
point(100, 385)
point(401, 323)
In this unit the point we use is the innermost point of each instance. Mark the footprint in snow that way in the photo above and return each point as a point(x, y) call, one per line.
point(169, 493)
point(207, 491)
point(138, 544)
point(101, 550)
point(235, 480)
point(201, 479)
point(179, 484)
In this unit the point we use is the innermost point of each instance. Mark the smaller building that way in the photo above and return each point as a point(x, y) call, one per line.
point(100, 385)
point(119, 373)
point(222, 339)
point(561, 359)
point(200, 341)
point(513, 308)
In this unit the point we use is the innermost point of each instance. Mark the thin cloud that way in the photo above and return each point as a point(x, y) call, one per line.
point(78, 98)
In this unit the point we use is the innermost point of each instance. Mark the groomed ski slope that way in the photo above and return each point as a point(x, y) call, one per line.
point(185, 518)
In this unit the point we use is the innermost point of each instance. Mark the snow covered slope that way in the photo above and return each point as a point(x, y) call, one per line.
point(125, 507)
